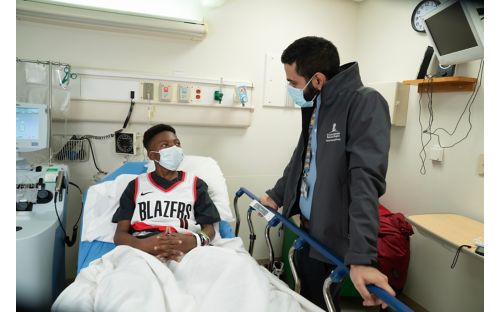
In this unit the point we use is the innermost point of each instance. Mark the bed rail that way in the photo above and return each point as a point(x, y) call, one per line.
point(336, 276)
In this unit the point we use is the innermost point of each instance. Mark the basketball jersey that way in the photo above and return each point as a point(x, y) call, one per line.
point(157, 208)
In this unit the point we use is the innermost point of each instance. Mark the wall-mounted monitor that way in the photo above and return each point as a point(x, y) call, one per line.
point(456, 29)
point(32, 126)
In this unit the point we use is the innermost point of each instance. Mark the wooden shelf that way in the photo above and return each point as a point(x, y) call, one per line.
point(444, 84)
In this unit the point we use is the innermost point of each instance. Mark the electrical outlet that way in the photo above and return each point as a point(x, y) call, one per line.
point(125, 143)
point(436, 153)
point(480, 165)
point(198, 95)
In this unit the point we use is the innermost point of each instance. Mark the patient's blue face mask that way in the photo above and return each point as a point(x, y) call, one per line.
point(298, 95)
point(170, 157)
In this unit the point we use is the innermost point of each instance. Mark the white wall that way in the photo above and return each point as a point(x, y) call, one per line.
point(390, 50)
point(240, 34)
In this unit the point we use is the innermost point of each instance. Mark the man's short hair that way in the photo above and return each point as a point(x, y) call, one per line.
point(311, 55)
point(154, 130)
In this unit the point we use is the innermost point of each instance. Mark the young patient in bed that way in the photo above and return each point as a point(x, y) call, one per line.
point(166, 212)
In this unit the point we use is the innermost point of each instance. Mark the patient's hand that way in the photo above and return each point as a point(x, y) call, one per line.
point(172, 246)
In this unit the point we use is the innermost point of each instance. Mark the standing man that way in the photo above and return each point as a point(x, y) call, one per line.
point(337, 171)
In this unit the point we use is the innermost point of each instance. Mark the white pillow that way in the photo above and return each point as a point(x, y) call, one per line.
point(209, 171)
point(101, 202)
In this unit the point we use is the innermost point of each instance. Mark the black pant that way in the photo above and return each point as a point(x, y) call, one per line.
point(312, 274)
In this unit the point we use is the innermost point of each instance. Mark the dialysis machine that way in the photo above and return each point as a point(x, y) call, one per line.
point(41, 202)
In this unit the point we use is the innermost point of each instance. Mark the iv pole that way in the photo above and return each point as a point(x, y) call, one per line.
point(49, 112)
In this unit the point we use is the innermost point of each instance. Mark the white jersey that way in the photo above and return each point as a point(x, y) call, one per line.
point(157, 208)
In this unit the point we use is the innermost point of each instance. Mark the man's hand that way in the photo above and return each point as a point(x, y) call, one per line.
point(362, 275)
point(267, 201)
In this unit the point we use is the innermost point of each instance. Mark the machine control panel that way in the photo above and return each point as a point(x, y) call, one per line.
point(35, 187)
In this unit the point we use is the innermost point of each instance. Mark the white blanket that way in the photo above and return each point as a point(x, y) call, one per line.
point(218, 278)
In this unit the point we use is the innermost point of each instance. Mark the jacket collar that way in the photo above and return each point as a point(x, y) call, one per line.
point(348, 78)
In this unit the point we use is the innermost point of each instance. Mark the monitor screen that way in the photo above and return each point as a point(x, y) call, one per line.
point(444, 27)
point(455, 29)
point(31, 127)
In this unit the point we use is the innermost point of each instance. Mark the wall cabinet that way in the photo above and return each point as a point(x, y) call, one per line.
point(396, 94)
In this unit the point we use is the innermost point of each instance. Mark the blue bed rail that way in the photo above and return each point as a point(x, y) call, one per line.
point(341, 270)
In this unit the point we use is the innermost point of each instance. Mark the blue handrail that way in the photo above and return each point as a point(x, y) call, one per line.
point(341, 269)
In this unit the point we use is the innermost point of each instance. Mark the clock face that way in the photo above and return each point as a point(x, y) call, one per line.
point(424, 7)
point(124, 143)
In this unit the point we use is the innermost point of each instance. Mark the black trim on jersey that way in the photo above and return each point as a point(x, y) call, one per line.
point(181, 176)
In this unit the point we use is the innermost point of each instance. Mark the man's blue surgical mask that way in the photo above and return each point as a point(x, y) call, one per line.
point(298, 95)
point(170, 157)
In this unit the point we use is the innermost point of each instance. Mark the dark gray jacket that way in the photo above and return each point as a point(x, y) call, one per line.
point(352, 152)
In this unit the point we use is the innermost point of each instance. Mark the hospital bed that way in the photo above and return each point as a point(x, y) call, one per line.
point(99, 258)
point(96, 238)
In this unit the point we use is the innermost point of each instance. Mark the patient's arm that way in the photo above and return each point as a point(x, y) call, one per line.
point(209, 230)
point(160, 244)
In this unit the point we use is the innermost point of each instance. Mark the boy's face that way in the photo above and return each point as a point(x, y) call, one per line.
point(160, 141)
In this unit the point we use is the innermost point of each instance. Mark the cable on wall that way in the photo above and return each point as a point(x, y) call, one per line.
point(467, 107)
point(423, 152)
point(431, 133)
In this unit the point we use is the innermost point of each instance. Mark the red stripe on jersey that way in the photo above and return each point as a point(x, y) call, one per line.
point(194, 188)
point(136, 185)
point(141, 226)
point(171, 186)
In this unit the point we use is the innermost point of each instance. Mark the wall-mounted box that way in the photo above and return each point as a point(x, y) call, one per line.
point(167, 92)
point(147, 90)
point(396, 94)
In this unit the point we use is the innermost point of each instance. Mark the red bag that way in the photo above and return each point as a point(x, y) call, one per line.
point(393, 246)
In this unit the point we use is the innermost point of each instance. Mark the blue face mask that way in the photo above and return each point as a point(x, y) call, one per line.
point(170, 157)
point(298, 95)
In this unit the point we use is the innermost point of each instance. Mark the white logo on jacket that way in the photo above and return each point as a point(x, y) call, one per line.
point(333, 135)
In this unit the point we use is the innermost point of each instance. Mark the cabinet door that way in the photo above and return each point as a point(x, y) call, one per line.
point(396, 94)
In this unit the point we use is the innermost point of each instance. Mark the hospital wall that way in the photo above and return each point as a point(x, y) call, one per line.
point(386, 38)
point(377, 33)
